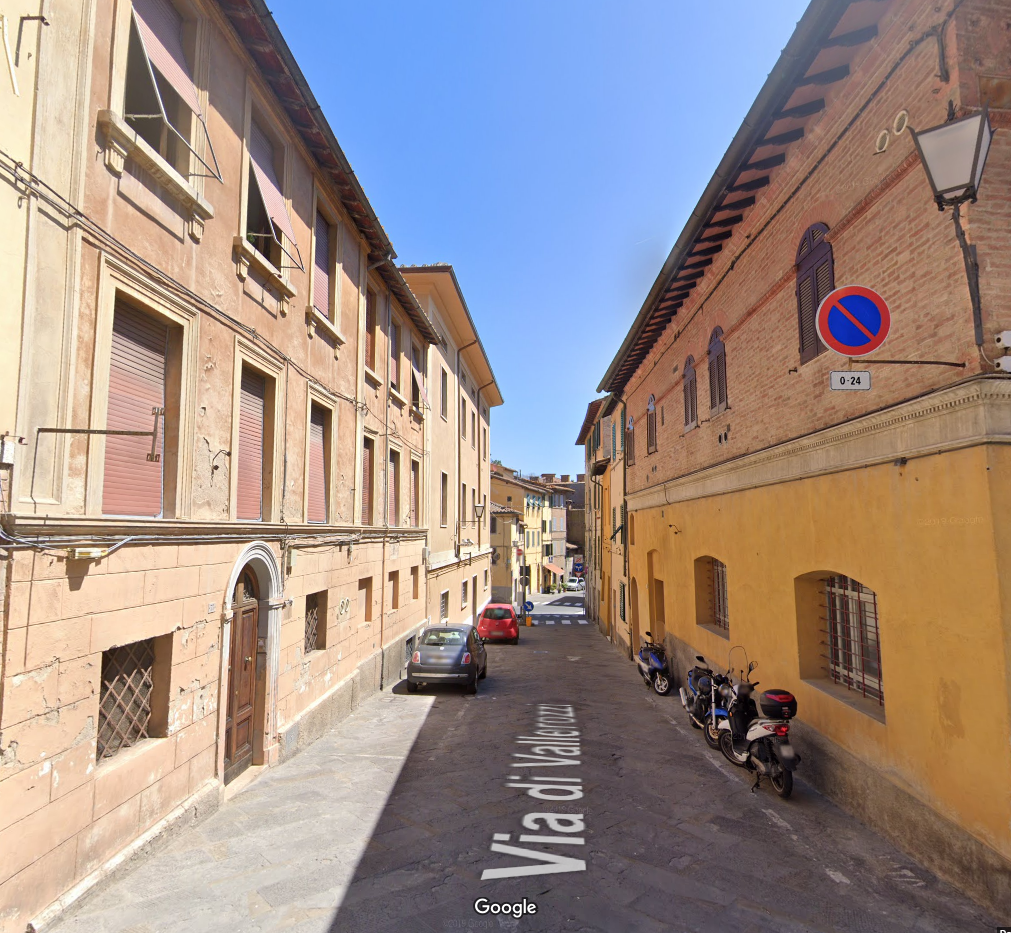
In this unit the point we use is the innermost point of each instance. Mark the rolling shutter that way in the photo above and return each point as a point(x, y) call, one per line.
point(321, 268)
point(394, 356)
point(415, 486)
point(261, 155)
point(133, 483)
point(161, 30)
point(392, 482)
point(249, 491)
point(317, 510)
point(370, 330)
point(367, 483)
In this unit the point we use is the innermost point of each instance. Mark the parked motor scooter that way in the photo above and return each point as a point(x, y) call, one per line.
point(760, 743)
point(652, 663)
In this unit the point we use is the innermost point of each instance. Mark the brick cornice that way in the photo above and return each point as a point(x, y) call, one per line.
point(974, 412)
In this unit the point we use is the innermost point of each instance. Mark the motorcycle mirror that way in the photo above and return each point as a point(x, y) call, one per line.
point(752, 666)
point(649, 634)
point(699, 657)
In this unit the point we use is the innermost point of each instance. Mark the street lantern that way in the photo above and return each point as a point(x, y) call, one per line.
point(954, 156)
point(479, 511)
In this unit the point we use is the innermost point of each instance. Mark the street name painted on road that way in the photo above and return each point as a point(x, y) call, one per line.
point(553, 744)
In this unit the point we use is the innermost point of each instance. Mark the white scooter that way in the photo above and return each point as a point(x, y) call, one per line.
point(763, 743)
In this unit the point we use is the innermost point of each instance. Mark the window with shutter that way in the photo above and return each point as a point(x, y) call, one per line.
point(630, 442)
point(321, 268)
point(444, 403)
point(249, 481)
point(370, 329)
point(651, 425)
point(393, 489)
point(264, 193)
point(318, 466)
point(815, 279)
point(717, 372)
point(367, 479)
point(690, 393)
point(415, 492)
point(444, 506)
point(133, 483)
point(394, 355)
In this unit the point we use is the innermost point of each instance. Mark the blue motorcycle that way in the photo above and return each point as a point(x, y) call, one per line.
point(652, 664)
point(705, 700)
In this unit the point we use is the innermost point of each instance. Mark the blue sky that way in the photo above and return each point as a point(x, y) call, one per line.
point(550, 151)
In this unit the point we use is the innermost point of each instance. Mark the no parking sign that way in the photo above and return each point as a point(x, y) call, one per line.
point(853, 320)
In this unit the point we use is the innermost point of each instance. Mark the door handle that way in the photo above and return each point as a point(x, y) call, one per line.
point(247, 660)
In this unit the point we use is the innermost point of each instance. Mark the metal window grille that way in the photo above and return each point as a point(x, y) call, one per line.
point(621, 601)
point(444, 605)
point(311, 622)
point(124, 710)
point(721, 616)
point(854, 650)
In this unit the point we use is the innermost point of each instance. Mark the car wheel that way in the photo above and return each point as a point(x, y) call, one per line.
point(471, 688)
point(516, 640)
point(484, 673)
point(411, 688)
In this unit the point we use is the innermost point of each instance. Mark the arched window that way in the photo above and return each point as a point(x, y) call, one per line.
point(630, 441)
point(691, 394)
point(717, 372)
point(815, 279)
point(651, 425)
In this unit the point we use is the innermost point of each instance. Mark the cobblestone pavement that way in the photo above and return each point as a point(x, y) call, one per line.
point(386, 824)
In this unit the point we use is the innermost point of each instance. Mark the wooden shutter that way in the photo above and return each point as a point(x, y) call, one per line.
point(815, 279)
point(317, 507)
point(133, 484)
point(806, 308)
point(392, 490)
point(415, 488)
point(370, 329)
point(249, 493)
point(367, 482)
point(721, 376)
point(321, 268)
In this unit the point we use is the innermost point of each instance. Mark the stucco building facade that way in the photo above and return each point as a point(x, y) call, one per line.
point(218, 458)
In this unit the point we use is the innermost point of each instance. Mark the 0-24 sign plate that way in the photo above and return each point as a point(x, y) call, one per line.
point(851, 381)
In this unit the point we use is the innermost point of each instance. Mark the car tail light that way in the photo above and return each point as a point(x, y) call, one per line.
point(466, 658)
point(416, 659)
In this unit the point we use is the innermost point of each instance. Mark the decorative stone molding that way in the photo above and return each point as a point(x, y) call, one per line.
point(970, 413)
point(122, 143)
point(249, 257)
point(314, 320)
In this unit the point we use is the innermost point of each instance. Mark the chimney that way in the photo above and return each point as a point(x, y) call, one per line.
point(580, 477)
point(548, 477)
point(566, 477)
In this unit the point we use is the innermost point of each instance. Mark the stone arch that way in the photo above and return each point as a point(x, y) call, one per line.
point(262, 562)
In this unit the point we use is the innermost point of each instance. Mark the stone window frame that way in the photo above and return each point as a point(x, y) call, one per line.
point(316, 395)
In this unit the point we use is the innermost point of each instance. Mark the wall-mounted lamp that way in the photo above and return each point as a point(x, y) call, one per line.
point(954, 156)
point(479, 511)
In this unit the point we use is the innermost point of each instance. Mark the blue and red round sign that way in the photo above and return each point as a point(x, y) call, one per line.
point(853, 320)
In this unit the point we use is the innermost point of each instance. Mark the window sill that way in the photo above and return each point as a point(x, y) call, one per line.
point(370, 376)
point(417, 413)
point(124, 757)
point(122, 143)
point(397, 397)
point(315, 321)
point(690, 427)
point(861, 704)
point(249, 257)
point(718, 410)
point(715, 629)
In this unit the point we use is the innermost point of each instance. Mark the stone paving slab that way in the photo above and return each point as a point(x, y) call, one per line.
point(385, 824)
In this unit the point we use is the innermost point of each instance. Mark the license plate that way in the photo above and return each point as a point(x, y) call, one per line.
point(498, 633)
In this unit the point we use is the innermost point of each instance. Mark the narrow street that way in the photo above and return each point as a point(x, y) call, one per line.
point(387, 823)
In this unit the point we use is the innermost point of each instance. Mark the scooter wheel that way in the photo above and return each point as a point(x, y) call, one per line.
point(712, 735)
point(727, 747)
point(783, 783)
point(662, 684)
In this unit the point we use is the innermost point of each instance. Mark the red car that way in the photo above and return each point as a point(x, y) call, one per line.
point(498, 622)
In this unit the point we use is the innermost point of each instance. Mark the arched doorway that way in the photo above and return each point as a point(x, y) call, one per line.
point(242, 679)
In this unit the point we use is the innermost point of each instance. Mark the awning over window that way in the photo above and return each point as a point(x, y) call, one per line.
point(261, 155)
point(554, 568)
point(161, 31)
point(421, 385)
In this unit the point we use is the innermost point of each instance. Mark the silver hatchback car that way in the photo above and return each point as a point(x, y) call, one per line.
point(448, 654)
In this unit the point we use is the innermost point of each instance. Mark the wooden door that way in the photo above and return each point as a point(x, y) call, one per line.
point(241, 679)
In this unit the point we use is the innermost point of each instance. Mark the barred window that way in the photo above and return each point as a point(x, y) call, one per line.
point(815, 279)
point(651, 425)
point(130, 707)
point(717, 372)
point(630, 441)
point(444, 605)
point(691, 394)
point(854, 651)
point(315, 621)
point(711, 603)
point(621, 601)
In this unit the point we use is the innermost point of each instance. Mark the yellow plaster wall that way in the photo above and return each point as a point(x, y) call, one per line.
point(927, 537)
